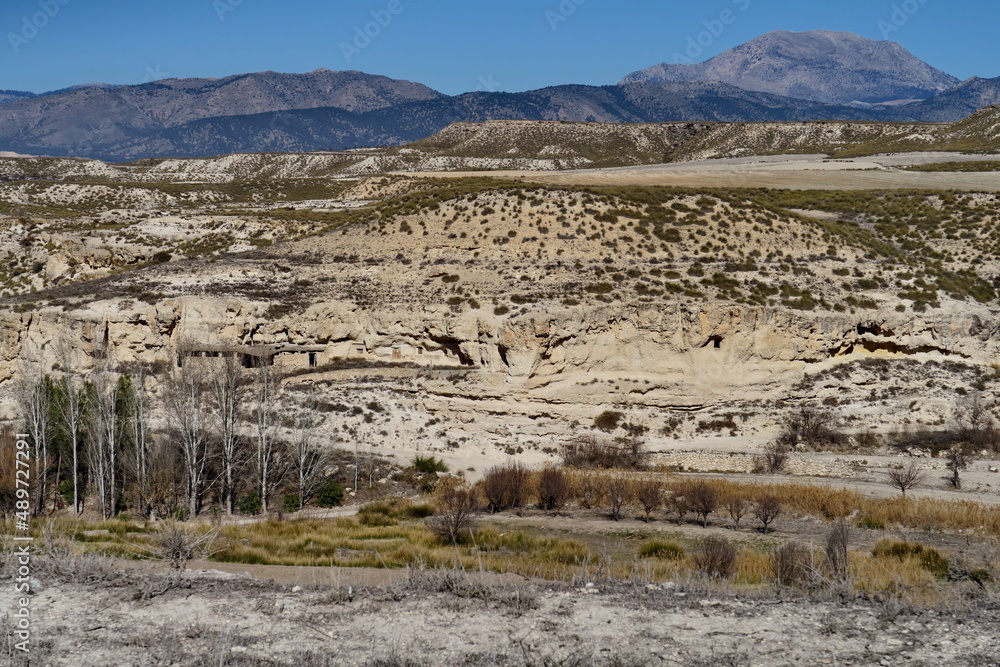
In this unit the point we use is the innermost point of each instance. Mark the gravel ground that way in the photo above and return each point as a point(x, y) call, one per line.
point(102, 616)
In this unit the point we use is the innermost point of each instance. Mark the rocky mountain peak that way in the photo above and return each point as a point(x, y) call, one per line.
point(819, 65)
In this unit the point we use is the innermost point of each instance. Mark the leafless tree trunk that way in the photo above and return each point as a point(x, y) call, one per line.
point(310, 460)
point(106, 431)
point(265, 391)
point(34, 400)
point(161, 492)
point(906, 478)
point(767, 510)
point(738, 508)
point(957, 462)
point(227, 384)
point(70, 408)
point(184, 400)
point(136, 406)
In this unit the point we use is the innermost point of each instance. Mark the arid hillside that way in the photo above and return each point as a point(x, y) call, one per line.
point(555, 303)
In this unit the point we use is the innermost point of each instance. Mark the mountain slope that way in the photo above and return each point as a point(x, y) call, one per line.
point(324, 110)
point(958, 102)
point(14, 95)
point(336, 129)
point(79, 121)
point(819, 65)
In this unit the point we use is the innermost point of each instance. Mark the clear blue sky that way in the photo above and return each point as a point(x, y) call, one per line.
point(453, 46)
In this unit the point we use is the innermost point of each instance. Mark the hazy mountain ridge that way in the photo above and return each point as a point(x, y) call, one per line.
point(336, 129)
point(14, 95)
point(81, 121)
point(819, 65)
point(962, 100)
point(325, 110)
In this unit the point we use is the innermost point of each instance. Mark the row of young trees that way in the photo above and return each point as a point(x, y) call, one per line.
point(206, 431)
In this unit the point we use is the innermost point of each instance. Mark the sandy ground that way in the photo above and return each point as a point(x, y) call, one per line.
point(455, 619)
point(796, 172)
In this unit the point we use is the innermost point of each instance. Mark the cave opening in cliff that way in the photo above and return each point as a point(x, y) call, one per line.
point(451, 348)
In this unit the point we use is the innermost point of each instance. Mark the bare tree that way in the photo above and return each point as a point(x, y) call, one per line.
point(553, 489)
point(136, 407)
point(310, 459)
point(166, 484)
point(679, 504)
point(738, 508)
point(767, 510)
point(265, 420)
point(188, 418)
point(773, 458)
point(105, 429)
point(71, 410)
point(905, 478)
point(618, 491)
point(649, 493)
point(957, 461)
point(457, 507)
point(704, 499)
point(226, 379)
point(34, 398)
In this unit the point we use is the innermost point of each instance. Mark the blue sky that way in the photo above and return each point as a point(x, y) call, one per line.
point(450, 45)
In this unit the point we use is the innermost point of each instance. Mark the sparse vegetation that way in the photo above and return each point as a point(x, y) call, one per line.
point(590, 452)
point(715, 557)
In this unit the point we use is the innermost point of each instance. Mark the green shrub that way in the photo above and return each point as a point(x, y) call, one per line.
point(290, 503)
point(429, 464)
point(249, 504)
point(420, 511)
point(330, 493)
point(930, 558)
point(376, 519)
point(608, 420)
point(870, 524)
point(662, 550)
point(66, 491)
point(380, 513)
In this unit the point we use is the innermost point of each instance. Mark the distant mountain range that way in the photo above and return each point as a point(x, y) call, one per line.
point(13, 95)
point(780, 76)
point(823, 66)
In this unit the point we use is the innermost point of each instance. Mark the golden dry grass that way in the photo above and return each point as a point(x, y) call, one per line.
point(817, 501)
point(347, 542)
